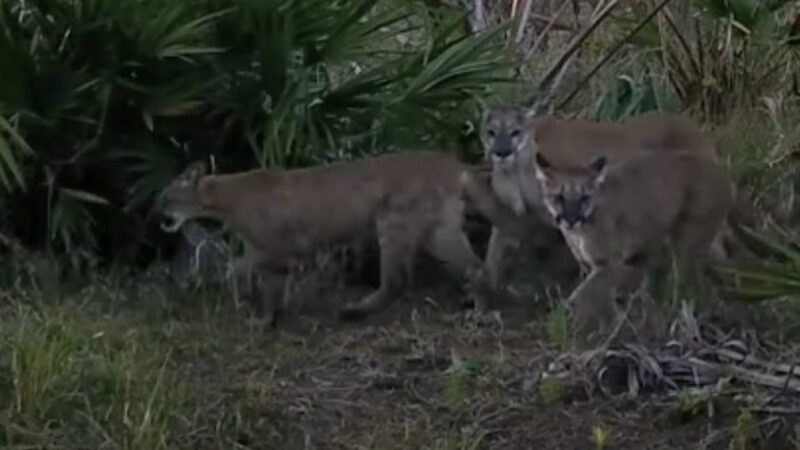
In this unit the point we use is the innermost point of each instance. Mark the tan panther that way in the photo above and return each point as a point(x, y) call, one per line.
point(412, 200)
point(623, 220)
point(513, 137)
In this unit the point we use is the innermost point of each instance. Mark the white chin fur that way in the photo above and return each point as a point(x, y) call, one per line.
point(503, 163)
point(568, 226)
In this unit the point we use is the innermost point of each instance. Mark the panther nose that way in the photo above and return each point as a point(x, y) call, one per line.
point(503, 152)
point(571, 218)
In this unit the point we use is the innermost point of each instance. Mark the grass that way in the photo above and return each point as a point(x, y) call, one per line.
point(87, 380)
point(137, 364)
point(558, 327)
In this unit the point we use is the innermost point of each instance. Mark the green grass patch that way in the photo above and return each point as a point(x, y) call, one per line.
point(70, 379)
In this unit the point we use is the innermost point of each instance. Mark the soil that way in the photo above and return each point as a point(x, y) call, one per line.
point(422, 374)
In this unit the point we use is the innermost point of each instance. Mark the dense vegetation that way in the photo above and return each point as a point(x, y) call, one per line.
point(103, 101)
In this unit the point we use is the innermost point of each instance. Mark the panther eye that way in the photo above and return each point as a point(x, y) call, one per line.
point(491, 133)
point(515, 133)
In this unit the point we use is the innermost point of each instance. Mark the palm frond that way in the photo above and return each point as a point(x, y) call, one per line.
point(115, 96)
point(766, 279)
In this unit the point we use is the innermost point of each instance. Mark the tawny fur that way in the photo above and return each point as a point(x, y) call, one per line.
point(513, 138)
point(622, 220)
point(410, 200)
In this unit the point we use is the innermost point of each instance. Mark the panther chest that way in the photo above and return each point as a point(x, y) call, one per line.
point(520, 193)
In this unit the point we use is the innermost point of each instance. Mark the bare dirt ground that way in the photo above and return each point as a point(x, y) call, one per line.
point(139, 362)
point(424, 375)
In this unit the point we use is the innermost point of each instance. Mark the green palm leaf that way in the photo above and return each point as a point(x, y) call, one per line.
point(11, 144)
point(767, 279)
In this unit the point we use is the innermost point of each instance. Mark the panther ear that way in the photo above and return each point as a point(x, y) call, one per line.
point(598, 168)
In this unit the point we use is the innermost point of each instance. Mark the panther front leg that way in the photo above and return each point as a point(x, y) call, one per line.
point(259, 287)
point(594, 301)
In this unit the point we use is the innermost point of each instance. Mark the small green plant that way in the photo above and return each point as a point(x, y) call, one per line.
point(745, 431)
point(691, 404)
point(674, 283)
point(551, 390)
point(460, 378)
point(558, 327)
point(599, 436)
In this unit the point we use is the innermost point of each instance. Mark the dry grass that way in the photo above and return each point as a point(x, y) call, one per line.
point(135, 364)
